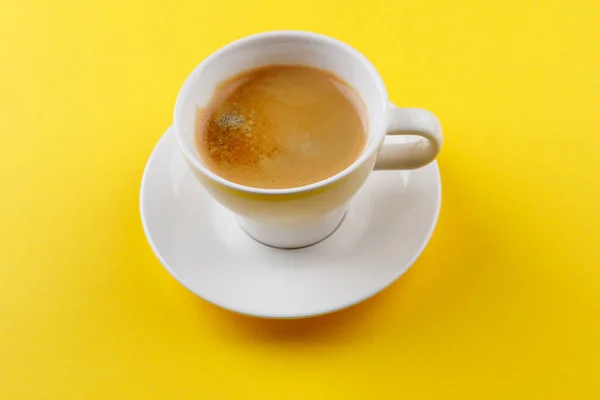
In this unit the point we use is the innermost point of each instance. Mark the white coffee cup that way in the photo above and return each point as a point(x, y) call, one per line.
point(301, 216)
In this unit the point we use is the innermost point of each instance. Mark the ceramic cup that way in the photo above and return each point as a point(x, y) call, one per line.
point(301, 216)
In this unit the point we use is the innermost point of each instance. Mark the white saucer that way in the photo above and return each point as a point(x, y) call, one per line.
point(387, 226)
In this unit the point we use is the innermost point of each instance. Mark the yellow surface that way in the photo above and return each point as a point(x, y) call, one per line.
point(504, 303)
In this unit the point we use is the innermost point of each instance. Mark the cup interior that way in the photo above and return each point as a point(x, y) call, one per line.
point(280, 48)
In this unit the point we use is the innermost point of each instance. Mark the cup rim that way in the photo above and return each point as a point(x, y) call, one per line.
point(183, 93)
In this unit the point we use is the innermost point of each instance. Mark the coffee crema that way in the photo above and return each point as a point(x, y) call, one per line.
point(281, 127)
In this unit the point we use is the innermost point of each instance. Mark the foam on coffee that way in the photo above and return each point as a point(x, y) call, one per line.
point(281, 127)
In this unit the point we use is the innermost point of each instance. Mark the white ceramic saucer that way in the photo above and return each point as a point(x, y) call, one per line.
point(387, 226)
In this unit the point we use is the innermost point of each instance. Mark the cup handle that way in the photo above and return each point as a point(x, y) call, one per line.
point(414, 122)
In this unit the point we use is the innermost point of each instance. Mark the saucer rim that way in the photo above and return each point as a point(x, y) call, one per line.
point(325, 310)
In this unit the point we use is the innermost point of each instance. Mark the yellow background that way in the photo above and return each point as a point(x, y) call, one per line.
point(504, 303)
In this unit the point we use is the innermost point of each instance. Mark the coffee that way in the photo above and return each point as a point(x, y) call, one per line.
point(281, 127)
